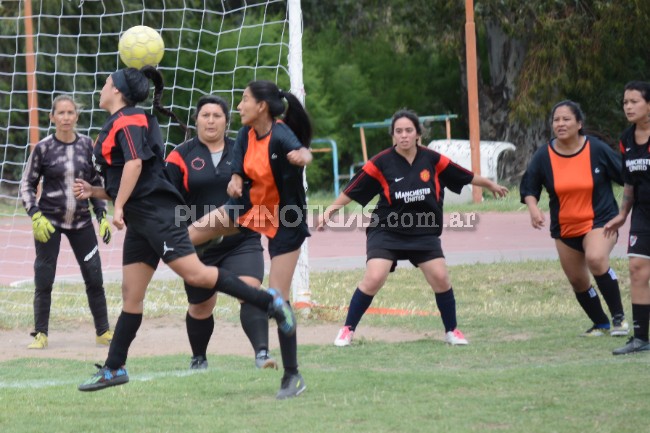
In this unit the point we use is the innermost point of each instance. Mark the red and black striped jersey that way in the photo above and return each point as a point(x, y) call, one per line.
point(131, 134)
point(275, 193)
point(636, 172)
point(202, 185)
point(579, 186)
point(411, 195)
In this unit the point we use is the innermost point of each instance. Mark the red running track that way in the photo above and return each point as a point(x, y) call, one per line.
point(490, 237)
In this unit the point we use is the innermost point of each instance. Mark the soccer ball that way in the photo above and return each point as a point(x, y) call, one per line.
point(140, 46)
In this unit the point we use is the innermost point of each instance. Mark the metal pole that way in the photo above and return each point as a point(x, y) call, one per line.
point(30, 66)
point(301, 294)
point(472, 96)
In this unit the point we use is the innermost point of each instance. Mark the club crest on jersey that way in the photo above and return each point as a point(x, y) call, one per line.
point(425, 175)
point(633, 239)
point(198, 163)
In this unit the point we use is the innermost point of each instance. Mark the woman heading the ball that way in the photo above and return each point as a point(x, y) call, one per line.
point(577, 171)
point(268, 196)
point(200, 169)
point(407, 222)
point(129, 155)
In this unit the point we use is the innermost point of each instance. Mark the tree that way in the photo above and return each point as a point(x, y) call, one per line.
point(531, 55)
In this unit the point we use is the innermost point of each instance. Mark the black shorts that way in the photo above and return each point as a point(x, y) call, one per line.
point(414, 256)
point(638, 246)
point(574, 243)
point(287, 239)
point(244, 260)
point(153, 231)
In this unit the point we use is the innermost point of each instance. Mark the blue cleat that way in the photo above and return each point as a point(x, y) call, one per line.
point(282, 313)
point(104, 378)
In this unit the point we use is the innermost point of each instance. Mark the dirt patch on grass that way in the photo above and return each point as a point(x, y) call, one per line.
point(167, 336)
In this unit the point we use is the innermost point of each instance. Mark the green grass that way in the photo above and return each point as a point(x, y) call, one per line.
point(526, 369)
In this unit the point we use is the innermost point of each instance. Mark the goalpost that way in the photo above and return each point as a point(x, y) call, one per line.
point(210, 48)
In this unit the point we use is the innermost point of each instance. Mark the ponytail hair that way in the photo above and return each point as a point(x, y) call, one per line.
point(159, 85)
point(295, 115)
point(133, 84)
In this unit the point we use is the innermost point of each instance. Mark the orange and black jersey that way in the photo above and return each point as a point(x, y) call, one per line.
point(202, 185)
point(131, 134)
point(636, 172)
point(274, 193)
point(410, 195)
point(579, 186)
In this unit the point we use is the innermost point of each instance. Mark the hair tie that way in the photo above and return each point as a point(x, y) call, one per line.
point(280, 93)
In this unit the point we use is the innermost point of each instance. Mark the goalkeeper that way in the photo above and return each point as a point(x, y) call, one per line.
point(57, 160)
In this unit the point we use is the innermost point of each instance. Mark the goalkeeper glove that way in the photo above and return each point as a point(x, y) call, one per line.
point(105, 230)
point(43, 228)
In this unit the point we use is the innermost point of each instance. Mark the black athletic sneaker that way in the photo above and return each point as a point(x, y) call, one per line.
point(104, 378)
point(198, 362)
point(633, 345)
point(291, 386)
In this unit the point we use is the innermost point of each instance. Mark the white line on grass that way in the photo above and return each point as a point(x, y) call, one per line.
point(36, 384)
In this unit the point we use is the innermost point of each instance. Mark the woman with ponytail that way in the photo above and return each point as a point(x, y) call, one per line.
point(268, 195)
point(129, 155)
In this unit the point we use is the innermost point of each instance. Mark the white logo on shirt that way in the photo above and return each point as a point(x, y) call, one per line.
point(274, 156)
point(597, 170)
point(397, 179)
point(627, 149)
point(166, 249)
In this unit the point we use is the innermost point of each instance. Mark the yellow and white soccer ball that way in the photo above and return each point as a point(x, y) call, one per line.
point(140, 46)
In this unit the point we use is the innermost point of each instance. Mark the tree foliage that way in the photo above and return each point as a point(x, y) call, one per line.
point(364, 59)
point(531, 54)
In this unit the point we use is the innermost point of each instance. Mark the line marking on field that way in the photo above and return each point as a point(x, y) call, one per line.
point(48, 383)
point(378, 311)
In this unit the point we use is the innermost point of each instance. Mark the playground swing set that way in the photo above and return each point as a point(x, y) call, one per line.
point(329, 145)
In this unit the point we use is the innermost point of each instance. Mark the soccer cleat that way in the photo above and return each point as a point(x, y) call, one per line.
point(633, 345)
point(104, 378)
point(344, 337)
point(595, 331)
point(282, 313)
point(619, 328)
point(264, 360)
point(105, 339)
point(40, 341)
point(456, 338)
point(198, 362)
point(291, 386)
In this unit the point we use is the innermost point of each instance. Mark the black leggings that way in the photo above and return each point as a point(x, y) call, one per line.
point(84, 245)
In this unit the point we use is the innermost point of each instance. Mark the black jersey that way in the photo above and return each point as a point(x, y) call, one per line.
point(636, 172)
point(202, 185)
point(579, 186)
point(411, 196)
point(131, 134)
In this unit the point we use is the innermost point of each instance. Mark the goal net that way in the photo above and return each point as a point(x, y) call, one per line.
point(49, 48)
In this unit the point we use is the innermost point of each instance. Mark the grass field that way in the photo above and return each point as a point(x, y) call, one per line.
point(526, 369)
